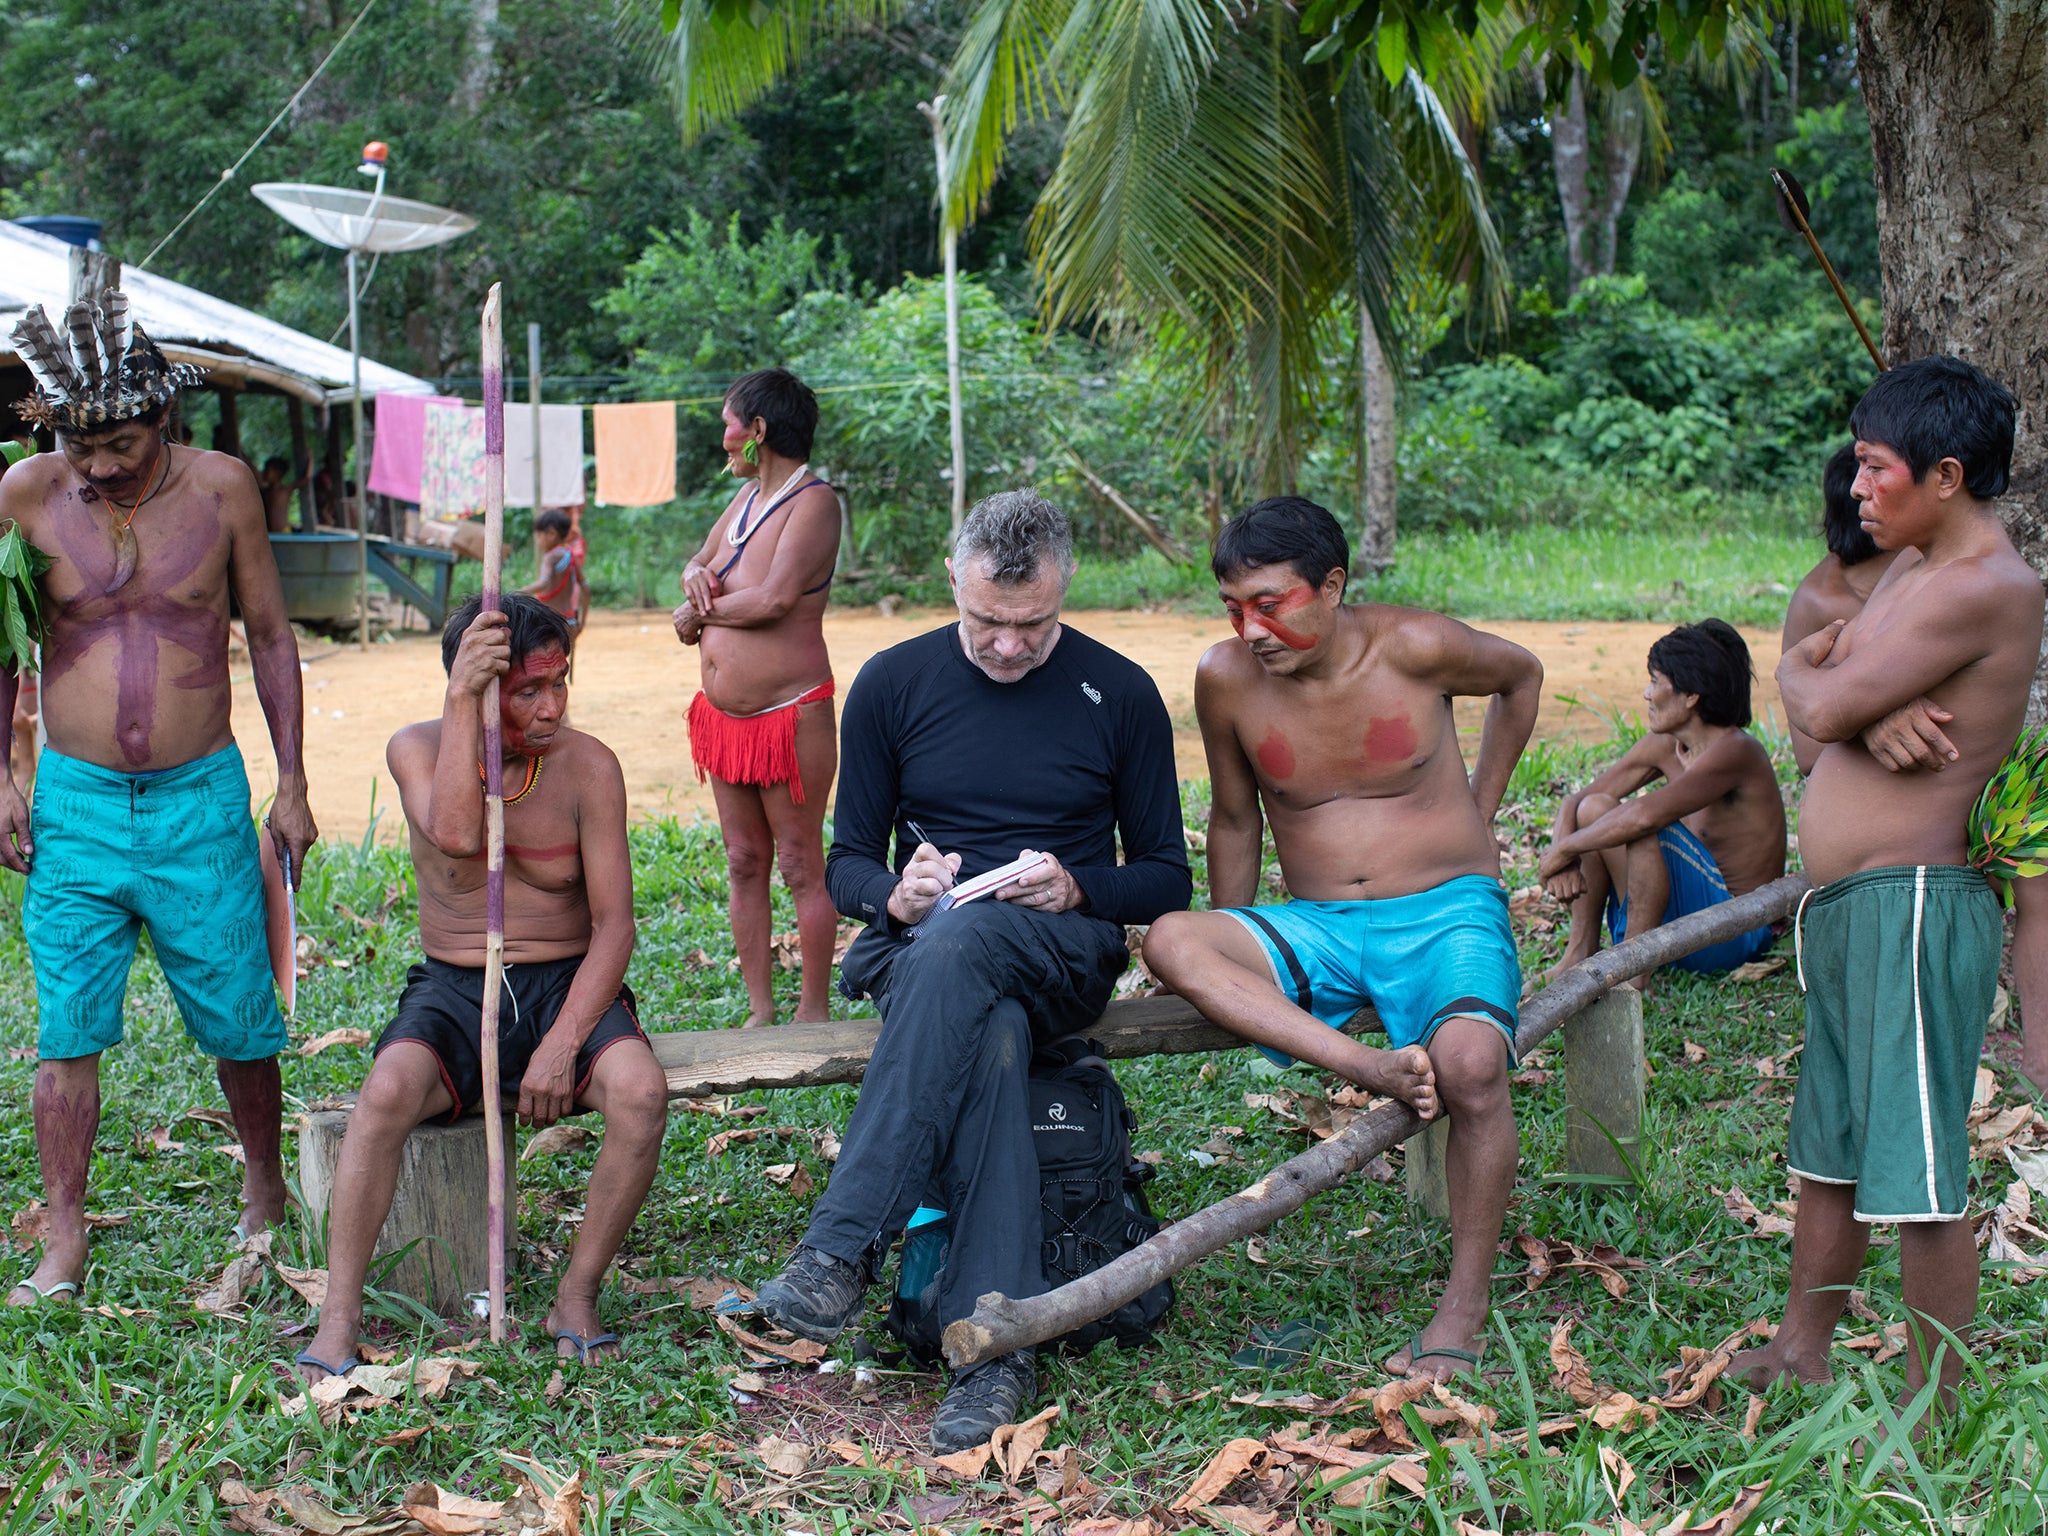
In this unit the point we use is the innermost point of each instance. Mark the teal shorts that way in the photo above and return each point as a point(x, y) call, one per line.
point(1899, 966)
point(1417, 960)
point(173, 852)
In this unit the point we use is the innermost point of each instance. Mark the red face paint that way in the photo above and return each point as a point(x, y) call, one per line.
point(1389, 740)
point(1266, 612)
point(1276, 756)
point(545, 667)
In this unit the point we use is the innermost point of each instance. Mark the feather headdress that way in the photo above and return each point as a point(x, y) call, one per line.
point(110, 373)
point(2009, 824)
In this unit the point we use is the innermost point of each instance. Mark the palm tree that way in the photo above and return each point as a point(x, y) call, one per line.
point(1254, 216)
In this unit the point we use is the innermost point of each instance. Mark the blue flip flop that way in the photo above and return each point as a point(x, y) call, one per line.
point(585, 1346)
point(307, 1357)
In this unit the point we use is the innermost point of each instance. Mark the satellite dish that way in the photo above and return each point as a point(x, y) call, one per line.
point(354, 220)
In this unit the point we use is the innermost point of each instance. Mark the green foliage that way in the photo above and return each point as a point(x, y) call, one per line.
point(2009, 822)
point(21, 601)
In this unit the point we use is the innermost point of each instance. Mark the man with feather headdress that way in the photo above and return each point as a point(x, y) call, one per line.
point(142, 806)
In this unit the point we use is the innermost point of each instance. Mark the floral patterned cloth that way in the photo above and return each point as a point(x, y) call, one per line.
point(452, 464)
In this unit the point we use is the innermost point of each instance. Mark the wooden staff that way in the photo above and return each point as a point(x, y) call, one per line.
point(494, 808)
point(1000, 1324)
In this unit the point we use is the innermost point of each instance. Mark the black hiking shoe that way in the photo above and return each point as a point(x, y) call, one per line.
point(815, 1296)
point(983, 1401)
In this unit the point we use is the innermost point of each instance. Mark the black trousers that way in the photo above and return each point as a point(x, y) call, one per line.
point(943, 1112)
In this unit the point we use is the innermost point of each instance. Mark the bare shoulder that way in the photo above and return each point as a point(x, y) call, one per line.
point(1415, 639)
point(1227, 669)
point(592, 764)
point(412, 744)
point(217, 471)
point(1999, 587)
point(27, 485)
point(1740, 752)
point(1821, 597)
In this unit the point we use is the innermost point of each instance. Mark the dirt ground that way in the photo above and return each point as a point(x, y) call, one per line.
point(633, 681)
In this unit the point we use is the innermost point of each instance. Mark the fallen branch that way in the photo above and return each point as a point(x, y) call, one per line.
point(999, 1324)
point(1138, 520)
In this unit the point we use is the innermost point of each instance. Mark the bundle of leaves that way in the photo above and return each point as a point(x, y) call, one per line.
point(2009, 822)
point(21, 606)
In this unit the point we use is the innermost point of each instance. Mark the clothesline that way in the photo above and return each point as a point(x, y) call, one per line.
point(429, 449)
point(470, 382)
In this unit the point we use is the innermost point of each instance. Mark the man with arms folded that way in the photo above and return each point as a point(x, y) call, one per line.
point(1898, 945)
point(1715, 829)
point(568, 1040)
point(1004, 733)
point(141, 813)
point(1337, 718)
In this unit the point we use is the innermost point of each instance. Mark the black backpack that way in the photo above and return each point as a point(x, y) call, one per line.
point(1091, 1198)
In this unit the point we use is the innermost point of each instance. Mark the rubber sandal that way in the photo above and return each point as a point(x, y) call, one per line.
point(69, 1290)
point(585, 1346)
point(307, 1357)
point(1417, 1352)
point(1283, 1347)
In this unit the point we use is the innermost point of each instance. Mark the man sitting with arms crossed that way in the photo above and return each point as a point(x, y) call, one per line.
point(568, 1040)
point(1337, 718)
point(1004, 733)
point(1898, 945)
point(1715, 829)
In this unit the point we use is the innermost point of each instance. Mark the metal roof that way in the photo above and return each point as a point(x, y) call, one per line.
point(190, 326)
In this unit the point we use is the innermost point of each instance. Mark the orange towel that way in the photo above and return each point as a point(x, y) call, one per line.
point(636, 453)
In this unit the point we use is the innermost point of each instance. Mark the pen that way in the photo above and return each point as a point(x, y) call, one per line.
point(918, 832)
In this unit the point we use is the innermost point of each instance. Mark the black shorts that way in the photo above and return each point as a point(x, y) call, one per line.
point(442, 1008)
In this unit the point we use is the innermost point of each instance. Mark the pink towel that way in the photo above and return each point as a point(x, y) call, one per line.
point(399, 447)
point(636, 453)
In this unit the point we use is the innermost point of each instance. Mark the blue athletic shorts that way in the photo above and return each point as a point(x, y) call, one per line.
point(1416, 959)
point(1696, 884)
point(173, 852)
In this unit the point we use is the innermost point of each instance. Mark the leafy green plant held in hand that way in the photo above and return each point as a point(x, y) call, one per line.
point(2009, 822)
point(21, 605)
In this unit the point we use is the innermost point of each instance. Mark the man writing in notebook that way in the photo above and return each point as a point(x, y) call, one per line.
point(1333, 719)
point(1003, 734)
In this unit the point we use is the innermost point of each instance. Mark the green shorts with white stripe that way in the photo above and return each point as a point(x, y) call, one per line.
point(1899, 966)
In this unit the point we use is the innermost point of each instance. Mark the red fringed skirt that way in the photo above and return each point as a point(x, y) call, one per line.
point(757, 749)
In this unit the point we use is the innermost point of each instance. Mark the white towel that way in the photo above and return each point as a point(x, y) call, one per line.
point(561, 455)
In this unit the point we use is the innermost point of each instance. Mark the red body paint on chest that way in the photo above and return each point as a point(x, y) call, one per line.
point(1389, 740)
point(1276, 756)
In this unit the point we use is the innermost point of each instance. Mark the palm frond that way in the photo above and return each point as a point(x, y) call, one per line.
point(720, 58)
point(1002, 75)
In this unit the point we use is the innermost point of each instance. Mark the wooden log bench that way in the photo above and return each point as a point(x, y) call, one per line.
point(1604, 1088)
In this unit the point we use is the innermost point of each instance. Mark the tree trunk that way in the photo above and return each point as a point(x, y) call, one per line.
point(1382, 445)
point(1569, 150)
point(483, 56)
point(1621, 147)
point(1957, 93)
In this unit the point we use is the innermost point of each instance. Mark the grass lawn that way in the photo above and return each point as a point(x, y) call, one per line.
point(141, 1412)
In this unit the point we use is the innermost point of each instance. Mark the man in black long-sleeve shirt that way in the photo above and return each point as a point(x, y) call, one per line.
point(1002, 734)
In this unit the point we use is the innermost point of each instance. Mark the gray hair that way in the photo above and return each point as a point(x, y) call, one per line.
point(1012, 534)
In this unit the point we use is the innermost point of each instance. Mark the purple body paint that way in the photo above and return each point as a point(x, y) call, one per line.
point(139, 614)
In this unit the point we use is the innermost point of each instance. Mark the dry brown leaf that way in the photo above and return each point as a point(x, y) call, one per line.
point(236, 1276)
point(1253, 1522)
point(559, 1138)
point(403, 1436)
point(1569, 1367)
point(1889, 1343)
point(1984, 1092)
point(967, 1463)
point(1114, 1527)
point(1744, 1210)
point(802, 1351)
point(310, 1513)
point(785, 1458)
point(1618, 1410)
point(32, 1220)
point(1695, 1052)
point(1015, 1446)
point(1467, 1528)
point(1753, 1415)
point(1693, 1380)
point(1997, 1132)
point(1729, 1521)
point(716, 1144)
point(556, 1386)
point(334, 1037)
point(1225, 1467)
point(1388, 1402)
point(791, 1176)
point(1475, 1418)
point(1757, 970)
point(1618, 1475)
point(234, 1491)
point(156, 1142)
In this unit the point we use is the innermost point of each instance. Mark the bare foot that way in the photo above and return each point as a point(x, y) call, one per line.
point(1404, 1074)
point(57, 1277)
point(1555, 974)
point(760, 1020)
point(568, 1316)
point(805, 1016)
point(1762, 1368)
point(264, 1204)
